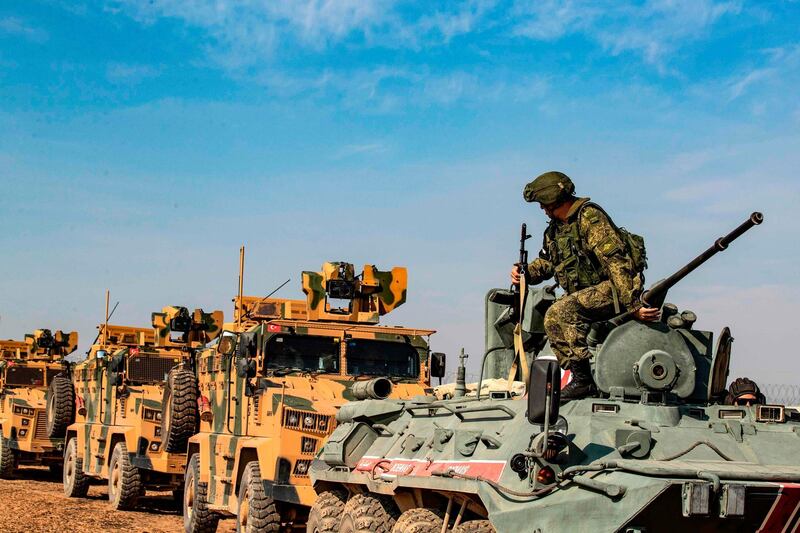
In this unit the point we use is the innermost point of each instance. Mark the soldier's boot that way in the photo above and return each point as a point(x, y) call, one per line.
point(582, 384)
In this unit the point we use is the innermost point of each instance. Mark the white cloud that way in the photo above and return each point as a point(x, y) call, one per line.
point(653, 29)
point(246, 34)
point(386, 88)
point(778, 64)
point(551, 19)
point(16, 27)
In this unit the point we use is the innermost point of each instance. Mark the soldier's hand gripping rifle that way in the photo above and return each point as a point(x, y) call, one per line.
point(655, 295)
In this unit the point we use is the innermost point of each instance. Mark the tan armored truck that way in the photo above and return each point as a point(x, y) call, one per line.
point(136, 400)
point(271, 386)
point(27, 370)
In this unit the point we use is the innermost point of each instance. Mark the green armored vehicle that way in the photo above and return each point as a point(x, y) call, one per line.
point(654, 451)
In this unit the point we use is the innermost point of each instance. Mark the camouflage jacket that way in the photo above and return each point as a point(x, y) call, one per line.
point(584, 251)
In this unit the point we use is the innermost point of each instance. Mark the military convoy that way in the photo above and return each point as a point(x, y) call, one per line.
point(310, 414)
point(269, 390)
point(28, 369)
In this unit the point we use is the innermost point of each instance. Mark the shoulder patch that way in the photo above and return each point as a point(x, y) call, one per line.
point(591, 214)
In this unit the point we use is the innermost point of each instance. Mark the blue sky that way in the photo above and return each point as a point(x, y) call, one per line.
point(142, 142)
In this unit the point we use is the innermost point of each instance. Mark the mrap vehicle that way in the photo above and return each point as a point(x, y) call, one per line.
point(28, 370)
point(136, 400)
point(271, 386)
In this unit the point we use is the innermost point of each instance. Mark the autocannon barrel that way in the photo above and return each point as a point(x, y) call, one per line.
point(376, 389)
point(654, 297)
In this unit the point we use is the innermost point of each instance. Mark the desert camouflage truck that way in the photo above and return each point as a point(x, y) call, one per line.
point(271, 386)
point(27, 370)
point(136, 399)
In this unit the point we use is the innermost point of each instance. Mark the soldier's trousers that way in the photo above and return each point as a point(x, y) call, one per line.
point(569, 319)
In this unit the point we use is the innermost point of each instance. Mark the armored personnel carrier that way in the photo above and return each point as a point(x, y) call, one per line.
point(270, 388)
point(654, 451)
point(136, 399)
point(27, 370)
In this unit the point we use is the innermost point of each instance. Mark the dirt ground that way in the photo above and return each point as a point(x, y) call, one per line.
point(34, 501)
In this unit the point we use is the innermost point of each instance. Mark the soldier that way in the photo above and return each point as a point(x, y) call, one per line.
point(586, 253)
point(744, 391)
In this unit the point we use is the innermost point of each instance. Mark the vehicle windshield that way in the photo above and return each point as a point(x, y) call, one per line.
point(382, 358)
point(306, 353)
point(20, 376)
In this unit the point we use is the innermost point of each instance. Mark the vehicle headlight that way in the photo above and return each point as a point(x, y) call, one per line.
point(308, 421)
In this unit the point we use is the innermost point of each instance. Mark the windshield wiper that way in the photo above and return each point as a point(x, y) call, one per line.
point(282, 371)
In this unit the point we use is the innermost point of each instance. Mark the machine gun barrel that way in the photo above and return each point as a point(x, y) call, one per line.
point(655, 295)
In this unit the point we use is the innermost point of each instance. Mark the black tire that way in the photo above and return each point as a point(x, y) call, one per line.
point(76, 484)
point(7, 459)
point(124, 480)
point(326, 513)
point(419, 521)
point(255, 512)
point(475, 526)
point(179, 418)
point(60, 406)
point(368, 513)
point(196, 516)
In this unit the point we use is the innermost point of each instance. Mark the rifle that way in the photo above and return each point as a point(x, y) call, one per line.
point(523, 273)
point(518, 308)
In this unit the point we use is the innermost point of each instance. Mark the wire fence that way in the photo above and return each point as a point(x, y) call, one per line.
point(781, 394)
point(775, 393)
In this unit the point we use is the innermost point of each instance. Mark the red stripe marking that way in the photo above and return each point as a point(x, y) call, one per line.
point(783, 509)
point(403, 467)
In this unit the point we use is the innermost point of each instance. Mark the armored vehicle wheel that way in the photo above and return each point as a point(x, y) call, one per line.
point(419, 521)
point(326, 513)
point(7, 459)
point(60, 406)
point(367, 513)
point(76, 485)
point(179, 410)
point(196, 516)
point(475, 526)
point(124, 481)
point(256, 512)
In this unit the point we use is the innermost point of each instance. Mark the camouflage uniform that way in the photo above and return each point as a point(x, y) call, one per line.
point(597, 274)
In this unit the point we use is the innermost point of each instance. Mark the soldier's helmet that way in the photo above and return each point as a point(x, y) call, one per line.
point(549, 188)
point(744, 391)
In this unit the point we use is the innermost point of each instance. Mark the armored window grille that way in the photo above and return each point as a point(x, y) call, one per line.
point(147, 369)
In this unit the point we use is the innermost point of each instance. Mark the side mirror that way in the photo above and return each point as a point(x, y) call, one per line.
point(544, 392)
point(438, 360)
point(101, 354)
point(227, 345)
